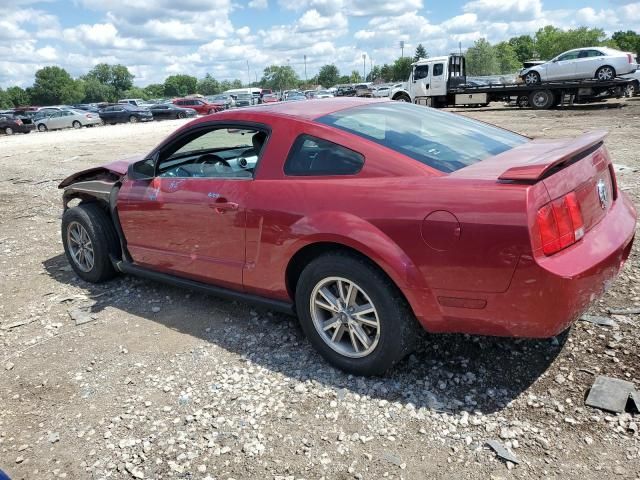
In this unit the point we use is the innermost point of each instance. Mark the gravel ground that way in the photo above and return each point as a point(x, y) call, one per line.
point(134, 379)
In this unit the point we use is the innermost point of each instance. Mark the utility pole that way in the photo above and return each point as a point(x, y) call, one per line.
point(371, 68)
point(248, 75)
point(364, 67)
point(305, 70)
point(401, 48)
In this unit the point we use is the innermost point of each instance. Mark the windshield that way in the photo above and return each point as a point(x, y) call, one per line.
point(441, 140)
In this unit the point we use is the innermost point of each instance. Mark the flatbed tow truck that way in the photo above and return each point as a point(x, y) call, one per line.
point(442, 82)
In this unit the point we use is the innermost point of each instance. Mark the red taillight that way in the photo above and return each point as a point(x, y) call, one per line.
point(560, 223)
point(18, 121)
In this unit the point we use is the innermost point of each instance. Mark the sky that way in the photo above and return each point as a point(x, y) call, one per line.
point(239, 38)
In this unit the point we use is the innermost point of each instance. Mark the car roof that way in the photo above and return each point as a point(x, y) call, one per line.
point(306, 110)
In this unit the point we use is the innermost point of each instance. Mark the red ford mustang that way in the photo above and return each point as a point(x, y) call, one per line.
point(368, 218)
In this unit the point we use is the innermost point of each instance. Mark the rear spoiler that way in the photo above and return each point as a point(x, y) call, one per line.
point(539, 167)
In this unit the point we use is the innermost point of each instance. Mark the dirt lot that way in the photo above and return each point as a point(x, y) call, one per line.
point(162, 383)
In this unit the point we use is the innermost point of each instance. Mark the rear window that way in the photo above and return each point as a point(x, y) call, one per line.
point(441, 140)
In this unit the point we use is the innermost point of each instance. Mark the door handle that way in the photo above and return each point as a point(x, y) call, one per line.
point(221, 205)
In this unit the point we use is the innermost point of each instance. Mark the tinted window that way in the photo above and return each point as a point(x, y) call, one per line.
point(568, 56)
point(441, 140)
point(421, 71)
point(438, 68)
point(313, 156)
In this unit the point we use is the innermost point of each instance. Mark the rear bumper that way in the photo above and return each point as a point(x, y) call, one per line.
point(24, 128)
point(546, 295)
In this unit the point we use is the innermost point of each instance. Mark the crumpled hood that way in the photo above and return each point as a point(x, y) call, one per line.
point(118, 167)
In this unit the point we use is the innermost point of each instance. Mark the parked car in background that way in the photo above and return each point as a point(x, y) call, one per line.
point(67, 119)
point(200, 105)
point(346, 91)
point(169, 111)
point(224, 101)
point(363, 90)
point(137, 102)
point(381, 92)
point(270, 98)
point(10, 124)
point(125, 113)
point(244, 100)
point(323, 94)
point(601, 63)
point(296, 97)
point(634, 87)
point(88, 107)
point(527, 241)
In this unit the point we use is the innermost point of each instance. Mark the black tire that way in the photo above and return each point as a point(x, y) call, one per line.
point(523, 101)
point(399, 329)
point(605, 73)
point(532, 78)
point(133, 119)
point(104, 240)
point(542, 99)
point(76, 124)
point(42, 127)
point(402, 98)
point(8, 131)
point(180, 115)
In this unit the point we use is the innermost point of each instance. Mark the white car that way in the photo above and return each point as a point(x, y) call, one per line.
point(322, 94)
point(381, 92)
point(601, 63)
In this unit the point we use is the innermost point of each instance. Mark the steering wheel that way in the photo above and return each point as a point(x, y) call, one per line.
point(211, 159)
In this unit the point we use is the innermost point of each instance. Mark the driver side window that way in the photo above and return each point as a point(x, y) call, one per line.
point(221, 152)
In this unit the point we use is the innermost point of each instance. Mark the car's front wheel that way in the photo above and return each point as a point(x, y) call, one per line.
point(89, 240)
point(532, 78)
point(8, 131)
point(76, 124)
point(354, 315)
point(133, 119)
point(42, 127)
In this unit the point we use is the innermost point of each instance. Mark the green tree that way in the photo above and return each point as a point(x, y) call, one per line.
point(482, 59)
point(278, 77)
point(386, 72)
point(54, 85)
point(355, 77)
point(237, 83)
point(96, 91)
point(5, 102)
point(421, 52)
point(208, 85)
point(180, 85)
point(401, 69)
point(552, 41)
point(374, 74)
point(328, 75)
point(507, 58)
point(154, 90)
point(18, 96)
point(628, 41)
point(135, 92)
point(116, 76)
point(524, 46)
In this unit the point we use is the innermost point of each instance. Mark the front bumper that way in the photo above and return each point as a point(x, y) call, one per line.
point(547, 294)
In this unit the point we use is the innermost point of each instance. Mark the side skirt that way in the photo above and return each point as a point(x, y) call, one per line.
point(277, 305)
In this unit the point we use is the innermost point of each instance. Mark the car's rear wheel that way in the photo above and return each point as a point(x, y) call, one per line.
point(76, 124)
point(354, 315)
point(8, 130)
point(180, 115)
point(541, 99)
point(89, 240)
point(133, 119)
point(42, 127)
point(605, 73)
point(532, 78)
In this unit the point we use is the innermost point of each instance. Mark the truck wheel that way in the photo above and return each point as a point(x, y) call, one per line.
point(403, 97)
point(541, 99)
point(605, 73)
point(89, 239)
point(532, 78)
point(523, 101)
point(353, 315)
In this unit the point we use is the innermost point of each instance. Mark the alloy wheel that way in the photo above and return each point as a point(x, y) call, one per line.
point(80, 247)
point(531, 78)
point(605, 73)
point(8, 131)
point(345, 317)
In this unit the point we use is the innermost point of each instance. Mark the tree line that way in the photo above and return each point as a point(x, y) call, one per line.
point(506, 57)
point(108, 83)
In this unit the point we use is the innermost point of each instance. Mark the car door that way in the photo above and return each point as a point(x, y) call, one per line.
point(421, 81)
point(55, 120)
point(66, 119)
point(588, 62)
point(438, 80)
point(120, 114)
point(189, 220)
point(562, 67)
point(161, 111)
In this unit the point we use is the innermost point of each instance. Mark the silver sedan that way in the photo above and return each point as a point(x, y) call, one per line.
point(67, 119)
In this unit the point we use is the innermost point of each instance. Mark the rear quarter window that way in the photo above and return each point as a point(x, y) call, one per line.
point(311, 156)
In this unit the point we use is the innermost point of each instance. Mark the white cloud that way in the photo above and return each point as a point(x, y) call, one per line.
point(259, 4)
point(505, 10)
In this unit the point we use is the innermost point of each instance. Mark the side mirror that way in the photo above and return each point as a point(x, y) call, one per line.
point(143, 170)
